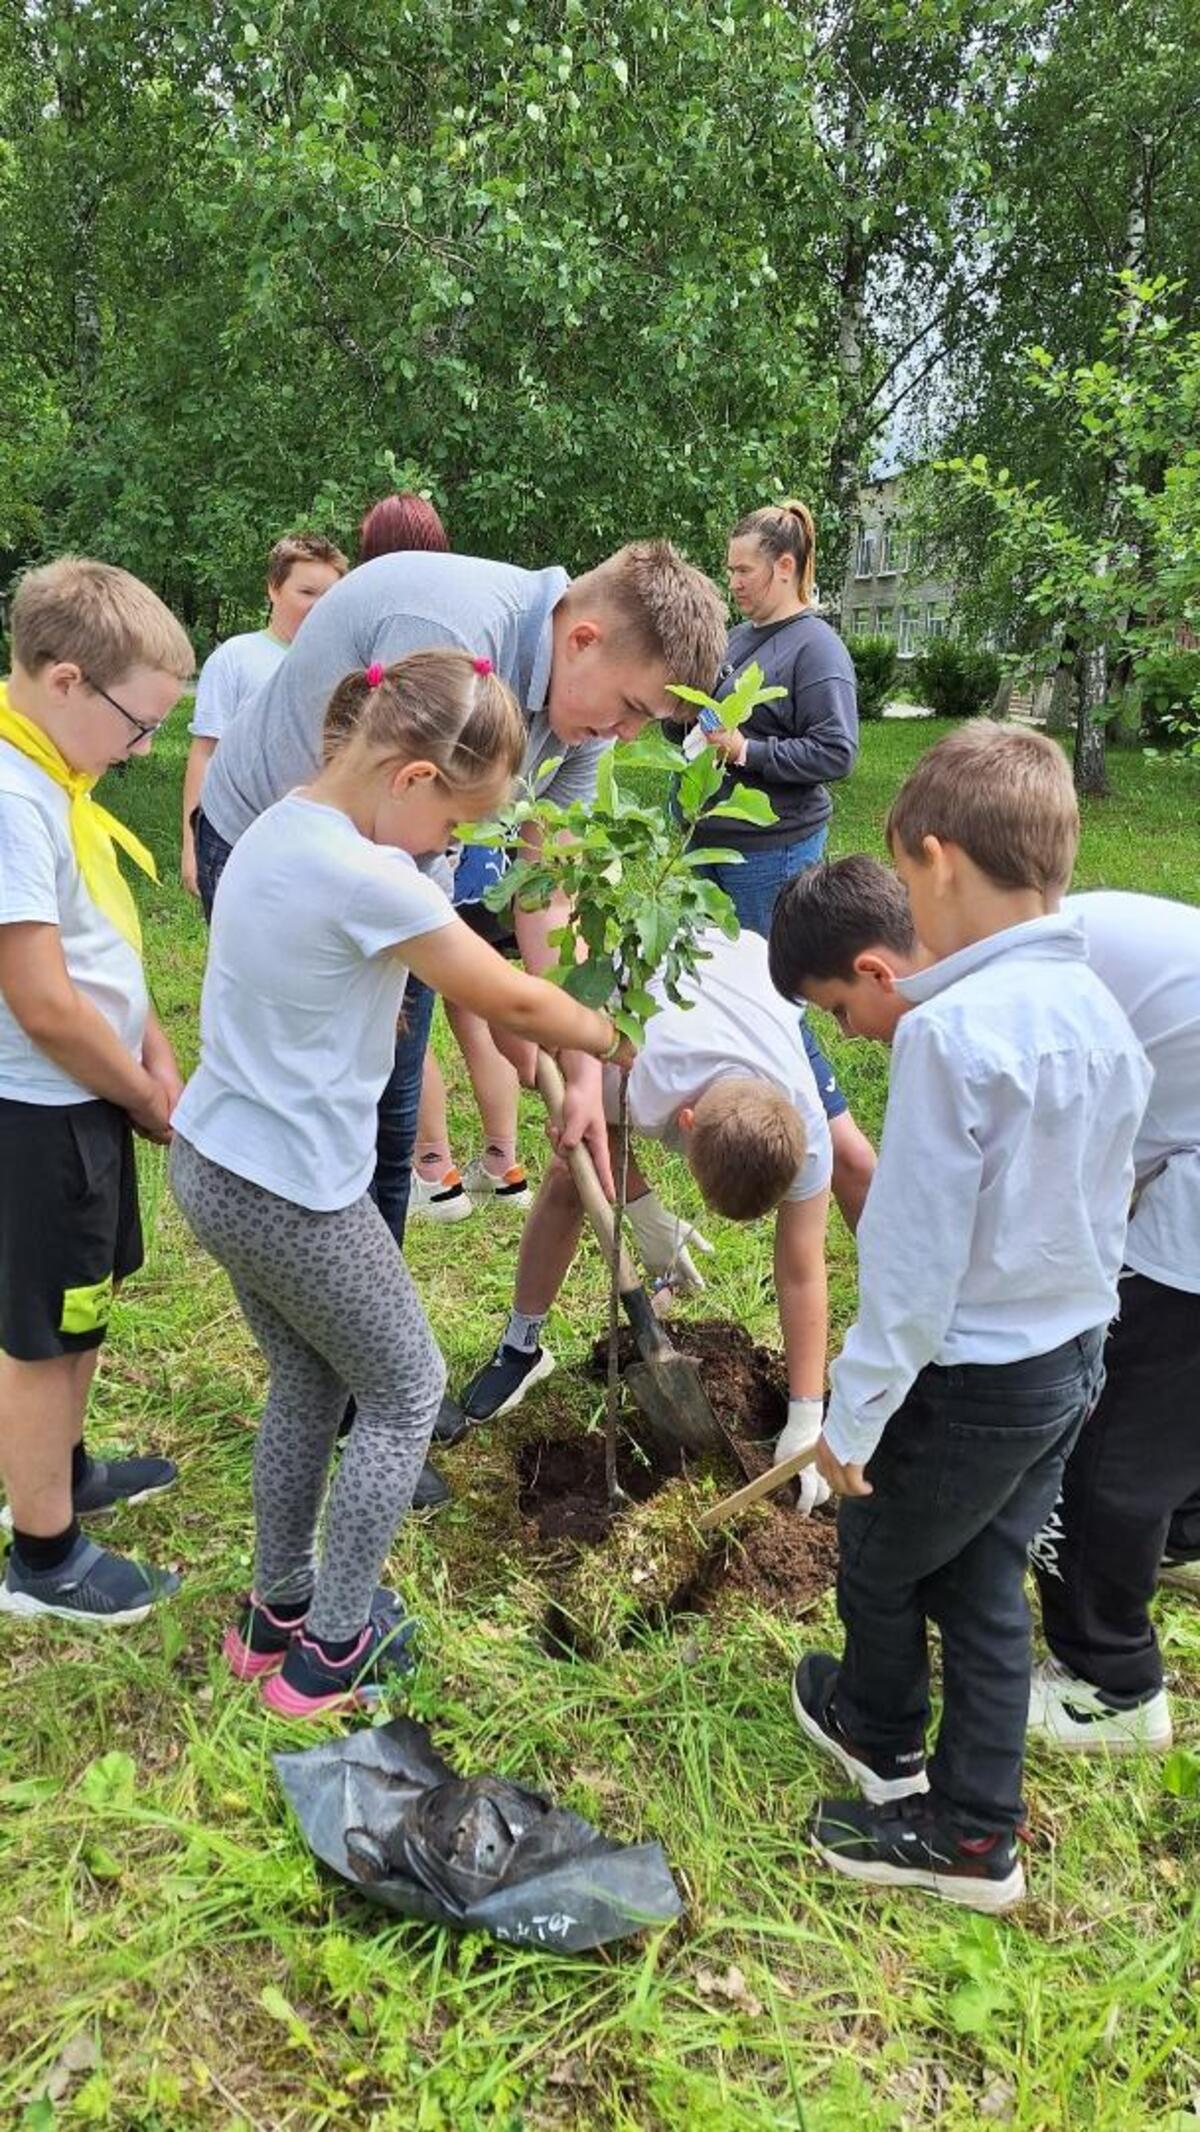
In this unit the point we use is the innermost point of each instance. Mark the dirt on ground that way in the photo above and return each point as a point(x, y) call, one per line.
point(777, 1558)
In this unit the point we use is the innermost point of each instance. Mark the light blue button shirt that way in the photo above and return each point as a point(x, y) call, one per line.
point(995, 1222)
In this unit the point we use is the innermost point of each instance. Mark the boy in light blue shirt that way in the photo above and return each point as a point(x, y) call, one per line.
point(989, 1251)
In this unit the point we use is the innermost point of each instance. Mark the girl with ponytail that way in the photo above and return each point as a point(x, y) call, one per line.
point(320, 915)
point(793, 749)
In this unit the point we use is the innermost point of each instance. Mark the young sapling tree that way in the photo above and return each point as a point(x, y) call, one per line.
point(626, 869)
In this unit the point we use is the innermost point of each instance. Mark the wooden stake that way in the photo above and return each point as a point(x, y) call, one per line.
point(766, 1484)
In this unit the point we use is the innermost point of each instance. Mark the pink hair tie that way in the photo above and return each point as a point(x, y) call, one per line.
point(482, 666)
point(374, 674)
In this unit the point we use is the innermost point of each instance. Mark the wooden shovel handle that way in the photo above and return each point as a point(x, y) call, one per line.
point(583, 1172)
point(766, 1484)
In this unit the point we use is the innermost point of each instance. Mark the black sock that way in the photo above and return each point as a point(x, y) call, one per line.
point(38, 1552)
point(336, 1653)
point(80, 1465)
point(289, 1610)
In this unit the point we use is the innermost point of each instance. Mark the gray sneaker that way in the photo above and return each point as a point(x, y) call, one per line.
point(93, 1584)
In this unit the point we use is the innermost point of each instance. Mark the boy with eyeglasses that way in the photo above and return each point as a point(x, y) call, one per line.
point(98, 662)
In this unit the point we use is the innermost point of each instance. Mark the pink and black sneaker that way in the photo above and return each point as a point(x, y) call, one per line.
point(260, 1641)
point(316, 1680)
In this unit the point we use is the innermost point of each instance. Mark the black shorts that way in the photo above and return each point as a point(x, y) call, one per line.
point(69, 1224)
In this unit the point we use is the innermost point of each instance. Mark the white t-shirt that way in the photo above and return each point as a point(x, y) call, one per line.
point(234, 672)
point(300, 1001)
point(1146, 950)
point(40, 883)
point(738, 1024)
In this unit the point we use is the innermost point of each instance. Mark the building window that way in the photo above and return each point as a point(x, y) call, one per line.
point(860, 622)
point(864, 557)
point(937, 622)
point(891, 557)
point(885, 621)
point(908, 638)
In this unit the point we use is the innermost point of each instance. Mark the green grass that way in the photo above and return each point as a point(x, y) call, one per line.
point(166, 1928)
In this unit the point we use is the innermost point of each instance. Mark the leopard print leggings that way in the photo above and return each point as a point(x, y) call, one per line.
point(333, 1307)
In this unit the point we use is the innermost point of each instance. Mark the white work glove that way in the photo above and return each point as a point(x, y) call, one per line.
point(799, 1433)
point(662, 1241)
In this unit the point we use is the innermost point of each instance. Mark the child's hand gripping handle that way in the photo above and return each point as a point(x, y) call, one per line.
point(634, 1300)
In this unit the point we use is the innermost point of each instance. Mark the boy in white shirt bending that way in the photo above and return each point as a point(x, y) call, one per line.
point(988, 1259)
point(726, 1082)
point(843, 937)
point(97, 664)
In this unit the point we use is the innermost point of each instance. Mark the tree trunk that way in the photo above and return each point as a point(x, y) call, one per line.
point(612, 1403)
point(1060, 711)
point(1091, 773)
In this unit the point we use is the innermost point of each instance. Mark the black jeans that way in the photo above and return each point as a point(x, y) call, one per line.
point(1098, 1556)
point(963, 1478)
point(398, 1105)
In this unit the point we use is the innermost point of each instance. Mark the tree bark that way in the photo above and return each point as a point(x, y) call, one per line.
point(1061, 710)
point(1091, 771)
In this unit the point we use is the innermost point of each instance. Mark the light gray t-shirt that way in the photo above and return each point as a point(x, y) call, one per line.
point(412, 601)
point(234, 672)
point(298, 1015)
point(735, 1024)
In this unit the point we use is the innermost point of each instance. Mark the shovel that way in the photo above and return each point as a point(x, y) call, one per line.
point(732, 1506)
point(665, 1384)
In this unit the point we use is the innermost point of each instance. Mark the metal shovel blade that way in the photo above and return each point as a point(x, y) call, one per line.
point(669, 1393)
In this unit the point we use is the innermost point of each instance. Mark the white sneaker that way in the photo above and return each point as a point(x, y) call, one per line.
point(1181, 1574)
point(1070, 1714)
point(444, 1199)
point(509, 1189)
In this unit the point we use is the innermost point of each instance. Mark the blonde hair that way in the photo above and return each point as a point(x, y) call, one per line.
point(432, 706)
point(99, 618)
point(784, 529)
point(1003, 794)
point(663, 606)
point(745, 1146)
point(302, 548)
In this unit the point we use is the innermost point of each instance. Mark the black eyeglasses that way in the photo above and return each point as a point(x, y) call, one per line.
point(143, 731)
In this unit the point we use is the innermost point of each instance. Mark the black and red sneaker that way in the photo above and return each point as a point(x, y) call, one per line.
point(904, 1845)
point(881, 1777)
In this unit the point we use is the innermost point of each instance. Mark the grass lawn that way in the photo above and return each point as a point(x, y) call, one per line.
point(172, 1956)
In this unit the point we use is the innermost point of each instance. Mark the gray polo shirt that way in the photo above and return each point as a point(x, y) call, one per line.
point(412, 601)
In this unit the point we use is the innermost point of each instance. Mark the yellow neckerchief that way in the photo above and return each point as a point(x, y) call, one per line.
point(94, 831)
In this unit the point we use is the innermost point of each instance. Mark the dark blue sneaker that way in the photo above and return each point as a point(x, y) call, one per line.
point(311, 1684)
point(92, 1585)
point(503, 1382)
point(109, 1482)
point(904, 1845)
point(881, 1777)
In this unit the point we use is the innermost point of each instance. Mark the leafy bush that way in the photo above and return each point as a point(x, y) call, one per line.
point(1168, 688)
point(874, 672)
point(957, 680)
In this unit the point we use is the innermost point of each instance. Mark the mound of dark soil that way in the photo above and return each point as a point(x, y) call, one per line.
point(745, 1382)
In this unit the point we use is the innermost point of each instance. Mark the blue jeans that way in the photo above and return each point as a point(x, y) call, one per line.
point(752, 889)
point(963, 1479)
point(398, 1105)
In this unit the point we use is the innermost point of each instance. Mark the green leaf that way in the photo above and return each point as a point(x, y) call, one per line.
point(1181, 1773)
point(974, 2005)
point(109, 1781)
point(693, 695)
point(592, 982)
point(743, 805)
point(700, 780)
point(713, 856)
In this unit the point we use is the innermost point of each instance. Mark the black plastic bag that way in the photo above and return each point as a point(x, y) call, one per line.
point(383, 1809)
